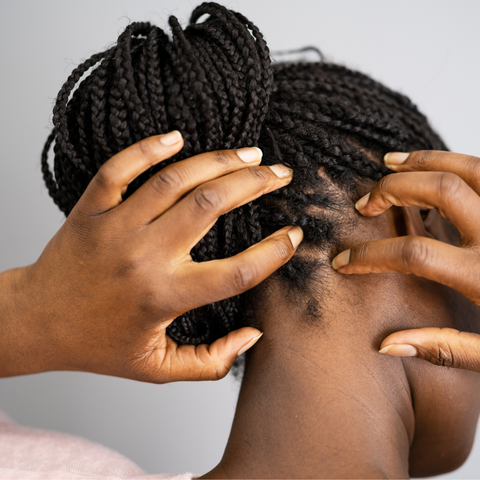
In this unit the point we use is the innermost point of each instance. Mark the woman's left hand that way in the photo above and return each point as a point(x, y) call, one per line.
point(450, 183)
point(119, 271)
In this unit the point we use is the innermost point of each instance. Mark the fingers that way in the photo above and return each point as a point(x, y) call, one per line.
point(441, 346)
point(208, 282)
point(112, 179)
point(424, 257)
point(166, 187)
point(207, 362)
point(466, 167)
point(192, 217)
point(447, 192)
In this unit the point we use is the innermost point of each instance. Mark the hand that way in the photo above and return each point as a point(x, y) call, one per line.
point(450, 183)
point(117, 273)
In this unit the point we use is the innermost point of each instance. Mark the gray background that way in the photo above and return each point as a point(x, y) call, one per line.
point(426, 49)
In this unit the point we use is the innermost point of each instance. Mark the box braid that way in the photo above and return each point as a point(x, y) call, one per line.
point(214, 82)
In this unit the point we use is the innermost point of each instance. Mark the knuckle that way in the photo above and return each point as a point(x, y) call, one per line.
point(244, 277)
point(450, 187)
point(261, 175)
point(360, 254)
point(144, 148)
point(78, 230)
point(222, 157)
point(207, 199)
point(414, 253)
point(167, 181)
point(108, 177)
point(147, 303)
point(125, 268)
point(472, 165)
point(423, 158)
point(209, 367)
point(383, 186)
point(283, 249)
point(442, 355)
point(132, 264)
point(219, 371)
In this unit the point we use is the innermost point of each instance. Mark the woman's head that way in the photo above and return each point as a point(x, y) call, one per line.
point(214, 82)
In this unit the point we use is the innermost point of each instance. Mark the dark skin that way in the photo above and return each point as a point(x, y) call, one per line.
point(449, 183)
point(117, 273)
point(318, 401)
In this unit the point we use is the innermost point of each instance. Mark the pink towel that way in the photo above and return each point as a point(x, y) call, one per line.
point(29, 454)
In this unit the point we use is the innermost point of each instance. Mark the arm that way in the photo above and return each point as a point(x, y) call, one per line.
point(18, 349)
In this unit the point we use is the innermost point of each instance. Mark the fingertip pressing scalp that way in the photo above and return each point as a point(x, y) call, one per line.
point(362, 203)
point(399, 350)
point(214, 82)
point(341, 260)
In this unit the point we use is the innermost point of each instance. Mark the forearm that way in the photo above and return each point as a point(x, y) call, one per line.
point(20, 343)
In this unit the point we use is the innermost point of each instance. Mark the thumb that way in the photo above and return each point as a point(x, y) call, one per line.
point(441, 346)
point(211, 362)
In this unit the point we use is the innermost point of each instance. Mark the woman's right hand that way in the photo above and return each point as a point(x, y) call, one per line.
point(117, 273)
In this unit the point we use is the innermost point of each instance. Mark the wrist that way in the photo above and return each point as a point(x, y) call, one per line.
point(21, 345)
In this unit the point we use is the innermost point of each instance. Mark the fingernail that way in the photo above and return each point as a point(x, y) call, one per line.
point(249, 344)
point(395, 158)
point(341, 259)
point(280, 170)
point(362, 203)
point(171, 138)
point(249, 154)
point(399, 350)
point(296, 236)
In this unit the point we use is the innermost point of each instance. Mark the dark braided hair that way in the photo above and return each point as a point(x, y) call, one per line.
point(215, 83)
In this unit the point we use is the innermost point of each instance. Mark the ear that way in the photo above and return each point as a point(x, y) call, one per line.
point(413, 222)
point(432, 226)
point(394, 222)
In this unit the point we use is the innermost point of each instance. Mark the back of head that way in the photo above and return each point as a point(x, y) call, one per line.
point(215, 83)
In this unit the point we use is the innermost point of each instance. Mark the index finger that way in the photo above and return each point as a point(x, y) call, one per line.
point(105, 190)
point(447, 192)
point(425, 257)
point(466, 167)
point(169, 185)
point(212, 281)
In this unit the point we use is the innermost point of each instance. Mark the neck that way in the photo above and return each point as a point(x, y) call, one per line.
point(327, 407)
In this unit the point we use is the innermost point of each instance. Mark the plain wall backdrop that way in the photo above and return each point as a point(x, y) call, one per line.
point(427, 49)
